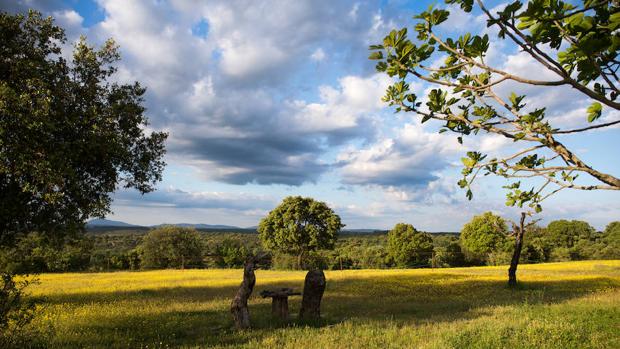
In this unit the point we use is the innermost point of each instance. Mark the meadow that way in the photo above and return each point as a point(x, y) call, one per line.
point(558, 305)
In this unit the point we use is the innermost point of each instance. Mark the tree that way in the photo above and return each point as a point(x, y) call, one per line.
point(300, 225)
point(577, 43)
point(611, 242)
point(484, 234)
point(565, 233)
point(408, 246)
point(171, 247)
point(69, 136)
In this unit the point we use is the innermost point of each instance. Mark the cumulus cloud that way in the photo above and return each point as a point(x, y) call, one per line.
point(411, 159)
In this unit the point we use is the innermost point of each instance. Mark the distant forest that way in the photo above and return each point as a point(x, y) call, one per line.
point(118, 248)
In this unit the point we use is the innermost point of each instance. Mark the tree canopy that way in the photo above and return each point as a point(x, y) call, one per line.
point(69, 134)
point(577, 42)
point(408, 246)
point(171, 247)
point(483, 234)
point(300, 225)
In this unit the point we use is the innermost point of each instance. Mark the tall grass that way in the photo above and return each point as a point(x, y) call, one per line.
point(558, 305)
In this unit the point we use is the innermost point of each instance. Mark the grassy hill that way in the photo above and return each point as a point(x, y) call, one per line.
point(559, 305)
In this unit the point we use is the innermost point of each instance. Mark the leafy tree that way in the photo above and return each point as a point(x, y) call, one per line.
point(231, 253)
point(577, 42)
point(610, 241)
point(171, 247)
point(564, 233)
point(408, 246)
point(484, 234)
point(448, 252)
point(69, 135)
point(298, 226)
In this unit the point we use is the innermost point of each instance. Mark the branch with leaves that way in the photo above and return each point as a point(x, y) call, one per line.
point(579, 44)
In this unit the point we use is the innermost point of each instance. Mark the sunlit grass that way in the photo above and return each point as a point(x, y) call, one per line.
point(558, 305)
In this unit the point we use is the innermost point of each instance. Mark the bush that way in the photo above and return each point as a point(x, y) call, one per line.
point(16, 314)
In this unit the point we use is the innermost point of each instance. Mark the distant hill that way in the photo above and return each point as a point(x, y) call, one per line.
point(103, 224)
point(96, 223)
point(201, 226)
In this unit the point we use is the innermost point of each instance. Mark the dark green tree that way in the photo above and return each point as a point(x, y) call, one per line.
point(298, 226)
point(409, 247)
point(69, 135)
point(578, 42)
point(171, 247)
point(566, 234)
point(610, 241)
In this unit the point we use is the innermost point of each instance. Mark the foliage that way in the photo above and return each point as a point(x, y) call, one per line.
point(578, 42)
point(171, 247)
point(448, 251)
point(69, 135)
point(300, 225)
point(567, 234)
point(610, 241)
point(230, 253)
point(408, 246)
point(484, 234)
point(16, 314)
point(37, 253)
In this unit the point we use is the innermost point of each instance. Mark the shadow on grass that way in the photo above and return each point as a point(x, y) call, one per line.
point(403, 298)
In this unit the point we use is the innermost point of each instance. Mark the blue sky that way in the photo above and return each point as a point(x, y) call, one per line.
point(265, 99)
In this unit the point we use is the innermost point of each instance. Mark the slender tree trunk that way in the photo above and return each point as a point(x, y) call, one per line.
point(300, 259)
point(512, 271)
point(239, 306)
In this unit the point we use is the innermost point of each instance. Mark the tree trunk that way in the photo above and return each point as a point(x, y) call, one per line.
point(239, 306)
point(300, 258)
point(512, 271)
point(314, 286)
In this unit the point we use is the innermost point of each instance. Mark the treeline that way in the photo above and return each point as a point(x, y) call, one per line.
point(485, 240)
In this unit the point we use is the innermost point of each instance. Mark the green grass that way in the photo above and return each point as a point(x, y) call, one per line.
point(558, 305)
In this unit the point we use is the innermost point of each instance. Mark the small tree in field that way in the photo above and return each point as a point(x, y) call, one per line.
point(577, 42)
point(171, 247)
point(484, 234)
point(300, 225)
point(408, 246)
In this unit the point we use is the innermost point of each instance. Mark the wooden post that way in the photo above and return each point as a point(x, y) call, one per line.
point(314, 286)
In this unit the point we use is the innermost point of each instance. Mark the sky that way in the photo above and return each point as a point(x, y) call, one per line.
point(267, 99)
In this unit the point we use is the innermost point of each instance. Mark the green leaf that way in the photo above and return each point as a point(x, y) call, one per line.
point(376, 55)
point(594, 111)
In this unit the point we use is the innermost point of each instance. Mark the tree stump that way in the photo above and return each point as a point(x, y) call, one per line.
point(314, 286)
point(239, 306)
point(279, 301)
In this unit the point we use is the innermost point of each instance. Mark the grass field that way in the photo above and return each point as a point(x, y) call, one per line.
point(559, 305)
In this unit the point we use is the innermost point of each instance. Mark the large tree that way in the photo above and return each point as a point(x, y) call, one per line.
point(69, 134)
point(408, 246)
point(300, 225)
point(578, 43)
point(484, 234)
